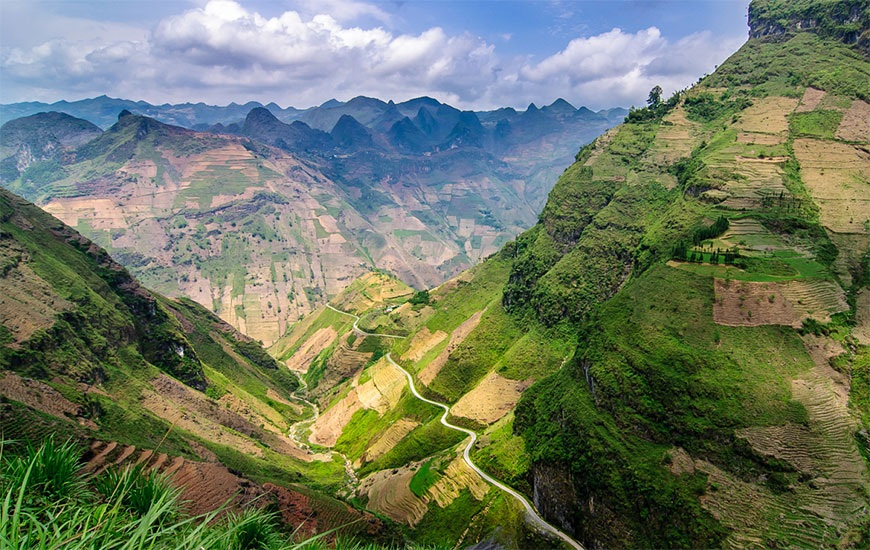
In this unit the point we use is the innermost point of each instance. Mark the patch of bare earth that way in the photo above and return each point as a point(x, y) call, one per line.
point(855, 125)
point(745, 303)
point(491, 399)
point(456, 337)
point(768, 115)
point(421, 343)
point(197, 411)
point(750, 304)
point(389, 493)
point(327, 428)
point(319, 341)
point(838, 178)
point(389, 439)
point(40, 396)
point(811, 99)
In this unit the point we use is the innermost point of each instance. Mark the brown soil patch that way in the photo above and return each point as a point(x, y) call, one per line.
point(319, 341)
point(456, 337)
point(855, 125)
point(344, 361)
point(755, 138)
point(838, 177)
point(40, 396)
point(457, 476)
point(253, 410)
point(421, 343)
point(197, 424)
point(207, 486)
point(681, 462)
point(810, 100)
point(491, 399)
point(327, 428)
point(745, 303)
point(389, 439)
point(27, 302)
point(861, 332)
point(390, 494)
point(767, 115)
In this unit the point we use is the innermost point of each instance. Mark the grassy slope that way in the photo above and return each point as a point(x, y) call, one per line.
point(652, 371)
point(117, 338)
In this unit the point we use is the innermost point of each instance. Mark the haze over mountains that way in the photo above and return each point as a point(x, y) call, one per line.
point(261, 220)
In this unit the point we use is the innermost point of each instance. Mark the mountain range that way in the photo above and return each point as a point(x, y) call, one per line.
point(261, 221)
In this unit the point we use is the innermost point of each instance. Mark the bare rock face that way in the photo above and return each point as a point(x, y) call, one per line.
point(844, 20)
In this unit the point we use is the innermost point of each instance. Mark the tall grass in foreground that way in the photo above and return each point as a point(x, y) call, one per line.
point(49, 503)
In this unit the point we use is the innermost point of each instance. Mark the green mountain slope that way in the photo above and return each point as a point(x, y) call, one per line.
point(134, 377)
point(677, 353)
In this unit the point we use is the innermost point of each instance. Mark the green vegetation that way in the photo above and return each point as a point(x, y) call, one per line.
point(782, 68)
point(820, 124)
point(421, 297)
point(48, 503)
point(424, 478)
point(704, 107)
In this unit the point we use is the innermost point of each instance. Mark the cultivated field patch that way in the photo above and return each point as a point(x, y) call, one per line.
point(319, 341)
point(855, 125)
point(491, 399)
point(747, 303)
point(838, 178)
point(395, 433)
point(456, 337)
point(767, 115)
point(810, 100)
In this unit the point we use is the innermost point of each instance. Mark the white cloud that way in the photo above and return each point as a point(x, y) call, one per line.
point(220, 51)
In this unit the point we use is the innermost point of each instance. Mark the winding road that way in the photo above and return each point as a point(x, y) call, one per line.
point(532, 516)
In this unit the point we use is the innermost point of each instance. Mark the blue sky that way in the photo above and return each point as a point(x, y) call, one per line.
point(478, 55)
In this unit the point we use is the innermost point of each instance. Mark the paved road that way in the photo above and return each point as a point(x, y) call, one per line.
point(532, 515)
point(361, 331)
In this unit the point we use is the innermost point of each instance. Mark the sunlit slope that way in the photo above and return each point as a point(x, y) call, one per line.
point(85, 351)
point(676, 355)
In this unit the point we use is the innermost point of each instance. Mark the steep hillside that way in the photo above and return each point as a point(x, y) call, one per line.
point(676, 354)
point(85, 352)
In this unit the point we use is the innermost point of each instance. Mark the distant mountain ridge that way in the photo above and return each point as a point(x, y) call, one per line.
point(103, 111)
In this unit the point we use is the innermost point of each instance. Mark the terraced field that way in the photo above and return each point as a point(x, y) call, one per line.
point(208, 486)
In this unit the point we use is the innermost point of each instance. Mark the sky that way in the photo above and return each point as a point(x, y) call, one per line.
point(474, 55)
